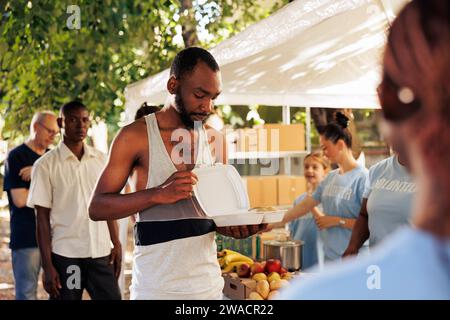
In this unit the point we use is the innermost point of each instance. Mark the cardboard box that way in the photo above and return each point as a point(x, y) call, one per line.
point(262, 191)
point(291, 137)
point(271, 137)
point(247, 140)
point(231, 137)
point(289, 188)
point(237, 288)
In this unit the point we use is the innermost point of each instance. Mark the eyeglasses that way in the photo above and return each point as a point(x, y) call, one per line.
point(398, 103)
point(51, 132)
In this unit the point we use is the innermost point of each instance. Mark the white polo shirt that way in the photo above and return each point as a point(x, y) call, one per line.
point(64, 184)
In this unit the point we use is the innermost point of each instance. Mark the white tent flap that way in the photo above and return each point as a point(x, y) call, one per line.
point(322, 53)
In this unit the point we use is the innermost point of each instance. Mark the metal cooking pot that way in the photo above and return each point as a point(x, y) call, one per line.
point(288, 252)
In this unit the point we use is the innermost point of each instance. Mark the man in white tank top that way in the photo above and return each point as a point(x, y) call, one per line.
point(175, 253)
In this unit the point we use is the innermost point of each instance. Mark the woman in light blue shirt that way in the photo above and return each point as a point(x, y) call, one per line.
point(414, 262)
point(340, 193)
point(387, 202)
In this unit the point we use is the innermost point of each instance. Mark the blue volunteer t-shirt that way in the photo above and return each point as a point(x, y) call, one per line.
point(23, 220)
point(305, 229)
point(390, 190)
point(412, 264)
point(340, 195)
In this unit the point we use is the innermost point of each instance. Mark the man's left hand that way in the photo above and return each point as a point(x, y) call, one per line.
point(116, 259)
point(241, 232)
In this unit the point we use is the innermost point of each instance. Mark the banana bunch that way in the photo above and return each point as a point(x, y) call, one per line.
point(230, 260)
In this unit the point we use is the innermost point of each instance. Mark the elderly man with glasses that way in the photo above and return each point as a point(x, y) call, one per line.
point(26, 261)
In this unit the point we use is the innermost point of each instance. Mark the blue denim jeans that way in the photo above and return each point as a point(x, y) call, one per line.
point(26, 265)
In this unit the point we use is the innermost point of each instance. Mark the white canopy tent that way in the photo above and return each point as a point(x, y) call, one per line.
point(322, 53)
point(314, 53)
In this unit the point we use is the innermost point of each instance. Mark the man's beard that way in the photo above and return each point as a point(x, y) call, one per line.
point(186, 116)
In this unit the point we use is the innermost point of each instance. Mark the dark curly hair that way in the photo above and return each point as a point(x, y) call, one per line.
point(338, 130)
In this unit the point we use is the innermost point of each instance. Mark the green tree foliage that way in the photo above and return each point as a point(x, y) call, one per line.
point(44, 63)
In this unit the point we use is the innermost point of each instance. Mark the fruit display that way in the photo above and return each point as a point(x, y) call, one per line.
point(270, 277)
point(268, 289)
point(232, 261)
point(265, 278)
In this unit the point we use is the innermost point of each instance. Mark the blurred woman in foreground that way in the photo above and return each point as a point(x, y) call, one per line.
point(415, 97)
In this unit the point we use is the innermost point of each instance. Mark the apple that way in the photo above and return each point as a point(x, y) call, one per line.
point(243, 270)
point(257, 268)
point(273, 265)
point(283, 271)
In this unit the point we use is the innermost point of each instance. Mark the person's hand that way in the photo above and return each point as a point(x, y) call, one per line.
point(241, 232)
point(325, 222)
point(350, 251)
point(269, 227)
point(25, 173)
point(115, 258)
point(317, 213)
point(51, 281)
point(178, 186)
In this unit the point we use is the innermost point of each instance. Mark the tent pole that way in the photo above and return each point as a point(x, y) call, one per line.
point(389, 17)
point(287, 120)
point(308, 129)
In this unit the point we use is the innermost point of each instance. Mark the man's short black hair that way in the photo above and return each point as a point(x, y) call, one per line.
point(72, 105)
point(186, 60)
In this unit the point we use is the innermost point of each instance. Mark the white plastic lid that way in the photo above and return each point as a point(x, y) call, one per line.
point(221, 191)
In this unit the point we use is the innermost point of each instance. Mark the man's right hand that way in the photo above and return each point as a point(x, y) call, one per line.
point(51, 282)
point(178, 186)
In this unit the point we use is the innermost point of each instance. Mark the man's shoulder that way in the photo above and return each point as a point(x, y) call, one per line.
point(133, 137)
point(96, 152)
point(136, 129)
point(17, 151)
point(47, 158)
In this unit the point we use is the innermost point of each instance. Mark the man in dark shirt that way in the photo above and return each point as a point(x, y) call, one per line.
point(25, 253)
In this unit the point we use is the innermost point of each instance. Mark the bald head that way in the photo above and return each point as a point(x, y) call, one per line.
point(44, 128)
point(41, 117)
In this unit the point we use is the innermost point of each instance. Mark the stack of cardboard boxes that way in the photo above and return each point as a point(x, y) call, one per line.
point(267, 138)
point(264, 191)
point(271, 190)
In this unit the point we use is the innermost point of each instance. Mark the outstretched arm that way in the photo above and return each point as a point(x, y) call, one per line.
point(108, 203)
point(300, 209)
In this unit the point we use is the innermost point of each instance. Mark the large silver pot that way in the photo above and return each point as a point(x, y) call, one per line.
point(288, 252)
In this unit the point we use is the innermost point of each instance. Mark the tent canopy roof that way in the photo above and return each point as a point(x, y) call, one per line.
point(309, 53)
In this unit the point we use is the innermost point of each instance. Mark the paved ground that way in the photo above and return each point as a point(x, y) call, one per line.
point(6, 274)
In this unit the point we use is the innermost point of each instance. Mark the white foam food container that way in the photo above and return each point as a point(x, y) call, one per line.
point(222, 195)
